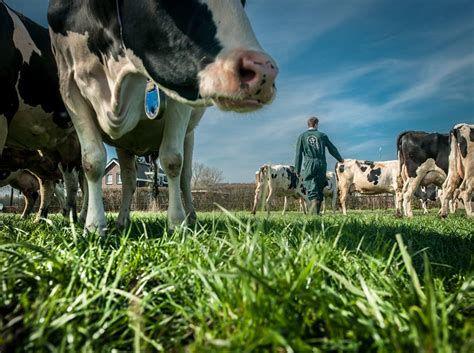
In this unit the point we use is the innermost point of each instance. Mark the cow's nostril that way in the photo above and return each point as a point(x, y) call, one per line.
point(246, 75)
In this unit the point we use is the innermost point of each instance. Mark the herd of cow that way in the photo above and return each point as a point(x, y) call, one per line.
point(429, 165)
point(68, 90)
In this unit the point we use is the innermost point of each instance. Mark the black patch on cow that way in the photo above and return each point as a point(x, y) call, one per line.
point(471, 135)
point(364, 168)
point(274, 176)
point(462, 142)
point(34, 196)
point(39, 83)
point(174, 39)
point(373, 176)
point(303, 190)
point(292, 177)
point(341, 168)
point(369, 163)
point(10, 64)
point(415, 147)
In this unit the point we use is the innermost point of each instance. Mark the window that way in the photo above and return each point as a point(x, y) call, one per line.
point(118, 177)
point(108, 179)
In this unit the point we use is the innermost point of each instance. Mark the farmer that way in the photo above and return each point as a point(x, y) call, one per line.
point(311, 147)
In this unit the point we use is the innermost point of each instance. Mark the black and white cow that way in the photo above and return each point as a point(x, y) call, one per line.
point(423, 160)
point(278, 181)
point(45, 170)
point(426, 194)
point(459, 182)
point(32, 113)
point(198, 52)
point(366, 177)
point(330, 191)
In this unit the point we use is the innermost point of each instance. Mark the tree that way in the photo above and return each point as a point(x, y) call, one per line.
point(205, 176)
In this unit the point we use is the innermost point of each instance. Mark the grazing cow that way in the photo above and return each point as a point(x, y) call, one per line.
point(198, 52)
point(460, 179)
point(366, 177)
point(24, 181)
point(29, 186)
point(423, 160)
point(45, 169)
point(32, 113)
point(330, 191)
point(281, 181)
point(426, 194)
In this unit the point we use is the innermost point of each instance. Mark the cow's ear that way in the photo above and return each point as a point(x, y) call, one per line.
point(243, 2)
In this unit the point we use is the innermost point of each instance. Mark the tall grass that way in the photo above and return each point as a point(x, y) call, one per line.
point(365, 283)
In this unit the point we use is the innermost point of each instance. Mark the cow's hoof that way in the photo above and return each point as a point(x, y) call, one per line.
point(191, 219)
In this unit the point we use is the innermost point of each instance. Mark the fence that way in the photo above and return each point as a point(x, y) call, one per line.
point(235, 197)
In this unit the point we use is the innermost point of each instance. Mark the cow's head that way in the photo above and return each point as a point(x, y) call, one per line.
point(199, 51)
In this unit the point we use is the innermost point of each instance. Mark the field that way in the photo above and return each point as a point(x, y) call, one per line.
point(364, 283)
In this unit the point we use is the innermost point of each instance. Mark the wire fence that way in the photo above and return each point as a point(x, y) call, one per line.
point(235, 197)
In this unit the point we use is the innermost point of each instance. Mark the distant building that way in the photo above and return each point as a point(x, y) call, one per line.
point(113, 178)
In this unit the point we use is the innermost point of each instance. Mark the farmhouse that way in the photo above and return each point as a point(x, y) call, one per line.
point(112, 178)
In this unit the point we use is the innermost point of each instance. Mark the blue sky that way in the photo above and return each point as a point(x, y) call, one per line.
point(368, 69)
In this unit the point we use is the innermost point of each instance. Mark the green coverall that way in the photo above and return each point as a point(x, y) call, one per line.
point(311, 147)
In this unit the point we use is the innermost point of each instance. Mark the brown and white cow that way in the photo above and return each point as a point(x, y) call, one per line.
point(198, 52)
point(366, 177)
point(278, 181)
point(423, 160)
point(459, 182)
point(32, 113)
point(24, 181)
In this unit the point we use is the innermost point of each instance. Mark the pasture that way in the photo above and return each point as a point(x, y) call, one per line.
point(368, 282)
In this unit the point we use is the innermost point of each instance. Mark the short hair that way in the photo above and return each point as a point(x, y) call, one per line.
point(313, 121)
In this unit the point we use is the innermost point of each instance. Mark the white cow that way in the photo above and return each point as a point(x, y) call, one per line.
point(278, 181)
point(366, 177)
point(330, 191)
point(459, 182)
point(201, 53)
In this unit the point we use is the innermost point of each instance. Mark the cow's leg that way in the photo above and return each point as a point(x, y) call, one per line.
point(285, 202)
point(171, 158)
point(30, 199)
point(424, 205)
point(128, 172)
point(269, 199)
point(71, 185)
point(408, 189)
point(449, 187)
point(3, 132)
point(61, 197)
point(85, 197)
point(334, 201)
point(323, 206)
point(46, 193)
point(343, 193)
point(93, 162)
point(186, 176)
point(466, 195)
point(258, 195)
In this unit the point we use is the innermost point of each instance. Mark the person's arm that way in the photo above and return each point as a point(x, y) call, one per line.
point(299, 156)
point(333, 150)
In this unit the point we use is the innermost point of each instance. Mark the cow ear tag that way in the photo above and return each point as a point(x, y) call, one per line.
point(155, 101)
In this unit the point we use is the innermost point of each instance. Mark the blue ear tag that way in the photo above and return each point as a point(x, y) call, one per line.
point(155, 101)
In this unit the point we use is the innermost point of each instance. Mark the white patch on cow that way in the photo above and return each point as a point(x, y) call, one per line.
point(22, 39)
point(229, 15)
point(330, 191)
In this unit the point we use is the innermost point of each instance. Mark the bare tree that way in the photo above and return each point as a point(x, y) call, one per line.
point(205, 176)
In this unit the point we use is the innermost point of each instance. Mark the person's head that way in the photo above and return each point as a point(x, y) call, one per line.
point(313, 122)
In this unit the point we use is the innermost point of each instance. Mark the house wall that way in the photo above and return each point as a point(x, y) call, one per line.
point(113, 170)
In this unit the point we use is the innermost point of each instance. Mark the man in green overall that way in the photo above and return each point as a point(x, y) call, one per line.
point(311, 154)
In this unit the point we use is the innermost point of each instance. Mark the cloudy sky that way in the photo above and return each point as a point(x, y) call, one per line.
point(368, 69)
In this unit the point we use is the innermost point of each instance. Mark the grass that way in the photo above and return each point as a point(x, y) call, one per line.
point(362, 283)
